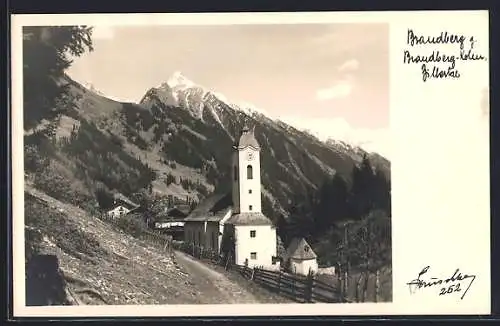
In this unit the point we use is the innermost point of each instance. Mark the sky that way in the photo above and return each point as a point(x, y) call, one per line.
point(331, 79)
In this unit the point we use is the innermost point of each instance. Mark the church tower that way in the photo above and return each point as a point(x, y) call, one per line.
point(246, 174)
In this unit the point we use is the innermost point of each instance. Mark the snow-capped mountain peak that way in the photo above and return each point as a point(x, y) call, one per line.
point(181, 91)
point(179, 80)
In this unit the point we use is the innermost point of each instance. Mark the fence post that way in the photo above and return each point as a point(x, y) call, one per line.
point(279, 281)
point(358, 284)
point(346, 284)
point(365, 286)
point(253, 274)
point(165, 245)
point(309, 287)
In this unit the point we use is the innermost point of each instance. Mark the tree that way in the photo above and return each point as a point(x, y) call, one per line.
point(104, 198)
point(300, 221)
point(381, 192)
point(47, 53)
point(361, 199)
point(332, 203)
point(143, 198)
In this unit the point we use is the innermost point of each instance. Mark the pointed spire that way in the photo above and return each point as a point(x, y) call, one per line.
point(245, 128)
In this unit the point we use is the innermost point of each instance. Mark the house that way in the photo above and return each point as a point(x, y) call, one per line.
point(300, 257)
point(204, 225)
point(121, 206)
point(234, 223)
point(172, 222)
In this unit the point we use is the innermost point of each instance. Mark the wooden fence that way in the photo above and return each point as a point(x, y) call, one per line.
point(197, 251)
point(303, 289)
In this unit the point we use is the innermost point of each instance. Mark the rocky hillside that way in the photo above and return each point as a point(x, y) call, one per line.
point(176, 141)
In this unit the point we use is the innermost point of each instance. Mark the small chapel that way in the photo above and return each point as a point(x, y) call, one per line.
point(233, 224)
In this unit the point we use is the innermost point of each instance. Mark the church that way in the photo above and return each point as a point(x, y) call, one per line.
point(233, 224)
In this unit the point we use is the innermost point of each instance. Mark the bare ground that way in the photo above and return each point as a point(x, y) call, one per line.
point(211, 281)
point(122, 269)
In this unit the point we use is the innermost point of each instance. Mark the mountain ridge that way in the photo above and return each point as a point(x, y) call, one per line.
point(180, 136)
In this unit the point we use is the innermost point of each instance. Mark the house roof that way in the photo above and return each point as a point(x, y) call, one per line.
point(247, 138)
point(172, 214)
point(184, 208)
point(120, 198)
point(219, 215)
point(212, 208)
point(254, 218)
point(300, 249)
point(176, 212)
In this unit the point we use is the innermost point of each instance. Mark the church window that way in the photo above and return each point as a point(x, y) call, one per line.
point(249, 172)
point(253, 255)
point(250, 207)
point(235, 173)
point(252, 233)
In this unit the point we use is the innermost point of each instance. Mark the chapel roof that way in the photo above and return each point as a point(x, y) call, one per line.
point(300, 249)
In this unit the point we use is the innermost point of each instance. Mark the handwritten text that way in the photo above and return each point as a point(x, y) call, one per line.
point(439, 63)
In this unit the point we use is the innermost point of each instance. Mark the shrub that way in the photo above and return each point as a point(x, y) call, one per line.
point(44, 220)
point(132, 224)
point(33, 161)
point(56, 185)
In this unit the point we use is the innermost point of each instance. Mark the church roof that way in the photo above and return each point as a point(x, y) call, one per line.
point(300, 249)
point(250, 218)
point(213, 208)
point(247, 139)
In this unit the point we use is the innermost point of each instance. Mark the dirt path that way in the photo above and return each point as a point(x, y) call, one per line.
point(216, 287)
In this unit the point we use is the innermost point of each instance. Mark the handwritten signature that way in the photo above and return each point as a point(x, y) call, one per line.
point(447, 286)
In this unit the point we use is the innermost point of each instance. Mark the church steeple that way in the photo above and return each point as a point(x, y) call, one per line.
point(247, 138)
point(246, 172)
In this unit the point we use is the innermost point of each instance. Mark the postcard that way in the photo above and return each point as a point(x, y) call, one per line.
point(251, 164)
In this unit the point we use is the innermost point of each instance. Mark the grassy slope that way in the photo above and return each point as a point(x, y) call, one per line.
point(93, 255)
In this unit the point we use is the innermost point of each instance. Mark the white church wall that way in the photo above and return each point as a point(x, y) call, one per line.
point(249, 189)
point(263, 245)
point(246, 192)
